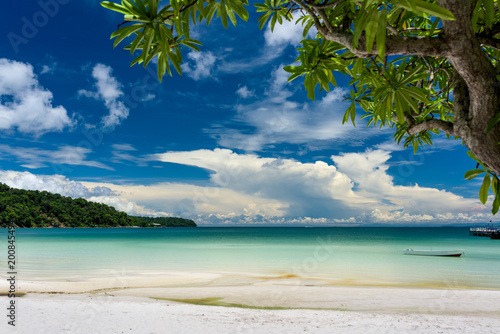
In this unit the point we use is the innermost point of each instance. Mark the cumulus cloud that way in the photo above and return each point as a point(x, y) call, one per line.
point(369, 171)
point(37, 158)
point(376, 217)
point(312, 189)
point(25, 104)
point(108, 90)
point(200, 66)
point(59, 184)
point(357, 189)
point(192, 201)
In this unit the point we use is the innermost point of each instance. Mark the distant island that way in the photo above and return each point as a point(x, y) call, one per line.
point(33, 208)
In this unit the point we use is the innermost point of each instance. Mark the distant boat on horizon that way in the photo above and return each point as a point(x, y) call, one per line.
point(451, 253)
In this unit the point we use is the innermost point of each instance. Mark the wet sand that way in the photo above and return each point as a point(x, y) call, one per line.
point(184, 303)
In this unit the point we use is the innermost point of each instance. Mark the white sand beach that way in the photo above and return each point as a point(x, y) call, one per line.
point(309, 309)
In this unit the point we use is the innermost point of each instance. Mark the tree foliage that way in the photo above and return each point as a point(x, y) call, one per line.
point(416, 66)
point(33, 208)
point(167, 221)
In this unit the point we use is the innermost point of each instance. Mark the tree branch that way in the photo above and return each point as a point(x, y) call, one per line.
point(323, 5)
point(313, 16)
point(489, 41)
point(181, 10)
point(325, 19)
point(395, 45)
point(432, 124)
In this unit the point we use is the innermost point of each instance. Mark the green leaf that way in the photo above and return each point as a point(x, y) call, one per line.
point(115, 7)
point(350, 112)
point(213, 8)
point(136, 41)
point(475, 15)
point(493, 122)
point(469, 175)
point(473, 157)
point(495, 184)
point(137, 60)
point(483, 192)
point(153, 7)
point(353, 112)
point(176, 59)
point(496, 204)
point(136, 18)
point(381, 32)
point(358, 29)
point(161, 67)
point(371, 31)
point(141, 6)
point(148, 39)
point(191, 43)
point(489, 11)
point(432, 9)
point(131, 7)
point(232, 17)
point(294, 76)
point(125, 32)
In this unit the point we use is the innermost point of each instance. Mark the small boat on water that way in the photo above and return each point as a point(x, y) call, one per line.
point(455, 252)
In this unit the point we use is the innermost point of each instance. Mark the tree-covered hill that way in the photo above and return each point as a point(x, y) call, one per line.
point(166, 221)
point(33, 208)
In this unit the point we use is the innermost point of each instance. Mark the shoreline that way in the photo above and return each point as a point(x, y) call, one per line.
point(283, 309)
point(108, 280)
point(281, 291)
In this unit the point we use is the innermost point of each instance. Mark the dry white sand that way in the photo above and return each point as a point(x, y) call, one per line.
point(329, 309)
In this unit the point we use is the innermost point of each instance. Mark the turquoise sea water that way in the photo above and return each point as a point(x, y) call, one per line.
point(331, 255)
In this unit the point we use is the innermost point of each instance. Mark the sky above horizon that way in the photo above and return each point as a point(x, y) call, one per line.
point(228, 142)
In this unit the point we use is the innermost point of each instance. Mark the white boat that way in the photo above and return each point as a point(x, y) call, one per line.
point(455, 252)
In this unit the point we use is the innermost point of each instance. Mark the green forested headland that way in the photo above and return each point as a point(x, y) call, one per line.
point(33, 208)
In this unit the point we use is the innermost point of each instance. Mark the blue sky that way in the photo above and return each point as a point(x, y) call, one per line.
point(228, 142)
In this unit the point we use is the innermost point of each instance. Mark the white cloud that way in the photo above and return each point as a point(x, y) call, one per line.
point(244, 92)
point(108, 90)
point(369, 171)
point(287, 181)
point(248, 189)
point(276, 119)
point(192, 201)
point(59, 184)
point(47, 69)
point(201, 64)
point(37, 158)
point(288, 33)
point(356, 190)
point(148, 97)
point(124, 147)
point(284, 35)
point(25, 104)
point(121, 154)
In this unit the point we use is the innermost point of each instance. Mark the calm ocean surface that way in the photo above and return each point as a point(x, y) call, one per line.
point(332, 255)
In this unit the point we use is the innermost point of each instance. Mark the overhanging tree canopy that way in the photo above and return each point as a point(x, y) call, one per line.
point(417, 66)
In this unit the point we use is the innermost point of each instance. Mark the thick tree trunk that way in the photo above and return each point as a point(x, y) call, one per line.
point(476, 89)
